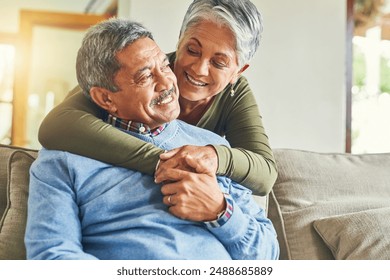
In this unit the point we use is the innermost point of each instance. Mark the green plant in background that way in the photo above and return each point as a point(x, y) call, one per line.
point(385, 75)
point(359, 71)
point(359, 68)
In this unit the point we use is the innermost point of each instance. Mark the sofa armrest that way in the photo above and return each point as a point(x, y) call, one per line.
point(15, 164)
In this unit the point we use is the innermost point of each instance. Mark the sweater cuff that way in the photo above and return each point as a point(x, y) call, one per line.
point(224, 159)
point(233, 229)
point(232, 163)
point(224, 216)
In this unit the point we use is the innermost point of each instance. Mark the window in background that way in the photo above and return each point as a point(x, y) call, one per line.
point(48, 44)
point(7, 62)
point(371, 78)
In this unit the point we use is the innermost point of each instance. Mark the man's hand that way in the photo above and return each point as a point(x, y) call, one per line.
point(204, 158)
point(193, 196)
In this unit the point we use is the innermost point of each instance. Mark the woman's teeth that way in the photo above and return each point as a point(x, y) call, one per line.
point(195, 82)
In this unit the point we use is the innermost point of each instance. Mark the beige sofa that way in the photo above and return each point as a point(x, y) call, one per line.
point(323, 206)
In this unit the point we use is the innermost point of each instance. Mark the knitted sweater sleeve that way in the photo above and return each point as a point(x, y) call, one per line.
point(53, 228)
point(76, 126)
point(248, 233)
point(250, 159)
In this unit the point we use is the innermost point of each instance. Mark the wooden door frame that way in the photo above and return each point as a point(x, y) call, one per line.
point(349, 73)
point(8, 38)
point(28, 20)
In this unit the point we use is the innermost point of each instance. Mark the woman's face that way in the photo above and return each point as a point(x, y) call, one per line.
point(206, 61)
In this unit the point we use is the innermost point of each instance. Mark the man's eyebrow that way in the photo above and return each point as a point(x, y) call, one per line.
point(148, 67)
point(139, 71)
point(166, 58)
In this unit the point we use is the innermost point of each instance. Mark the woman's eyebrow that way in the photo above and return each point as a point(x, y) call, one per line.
point(217, 53)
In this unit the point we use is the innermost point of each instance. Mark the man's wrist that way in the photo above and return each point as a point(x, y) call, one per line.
point(224, 215)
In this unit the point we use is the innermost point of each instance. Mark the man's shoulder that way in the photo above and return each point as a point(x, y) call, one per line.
point(56, 157)
point(47, 161)
point(201, 135)
point(53, 162)
point(45, 154)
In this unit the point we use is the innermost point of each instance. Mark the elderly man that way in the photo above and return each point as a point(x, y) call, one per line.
point(80, 208)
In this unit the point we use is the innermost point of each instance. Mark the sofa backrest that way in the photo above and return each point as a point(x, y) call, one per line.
point(15, 163)
point(315, 199)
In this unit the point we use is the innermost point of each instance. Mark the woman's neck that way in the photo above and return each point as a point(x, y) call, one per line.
point(192, 111)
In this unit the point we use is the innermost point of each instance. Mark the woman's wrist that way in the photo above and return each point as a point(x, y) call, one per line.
point(224, 159)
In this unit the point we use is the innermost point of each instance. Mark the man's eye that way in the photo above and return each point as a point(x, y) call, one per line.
point(145, 78)
point(166, 68)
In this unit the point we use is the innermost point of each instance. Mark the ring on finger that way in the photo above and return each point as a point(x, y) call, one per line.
point(170, 199)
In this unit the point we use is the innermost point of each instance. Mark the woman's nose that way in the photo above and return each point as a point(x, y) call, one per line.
point(201, 67)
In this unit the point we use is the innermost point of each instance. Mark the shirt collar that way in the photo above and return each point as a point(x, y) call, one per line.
point(134, 126)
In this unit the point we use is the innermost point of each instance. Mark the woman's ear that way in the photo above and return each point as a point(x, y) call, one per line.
point(102, 97)
point(235, 77)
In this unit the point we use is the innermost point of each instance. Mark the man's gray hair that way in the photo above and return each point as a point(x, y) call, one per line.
point(241, 16)
point(96, 63)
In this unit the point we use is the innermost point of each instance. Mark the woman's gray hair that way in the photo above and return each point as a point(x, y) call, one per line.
point(241, 16)
point(96, 63)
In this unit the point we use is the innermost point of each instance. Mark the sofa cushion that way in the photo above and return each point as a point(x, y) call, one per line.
point(362, 235)
point(313, 185)
point(13, 220)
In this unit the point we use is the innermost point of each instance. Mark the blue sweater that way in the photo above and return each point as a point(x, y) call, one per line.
point(80, 208)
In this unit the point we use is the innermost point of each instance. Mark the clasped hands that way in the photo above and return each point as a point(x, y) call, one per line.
point(190, 187)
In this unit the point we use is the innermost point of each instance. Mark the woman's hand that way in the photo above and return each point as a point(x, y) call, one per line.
point(204, 160)
point(194, 196)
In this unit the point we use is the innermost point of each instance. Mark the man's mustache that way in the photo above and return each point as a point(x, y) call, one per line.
point(164, 94)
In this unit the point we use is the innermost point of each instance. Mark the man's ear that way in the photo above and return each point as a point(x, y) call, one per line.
point(102, 97)
point(235, 77)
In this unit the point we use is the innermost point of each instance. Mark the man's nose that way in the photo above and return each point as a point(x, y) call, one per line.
point(165, 81)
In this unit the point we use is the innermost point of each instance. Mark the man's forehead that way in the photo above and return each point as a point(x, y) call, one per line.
point(141, 53)
point(147, 51)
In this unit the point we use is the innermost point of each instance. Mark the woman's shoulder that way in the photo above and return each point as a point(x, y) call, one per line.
point(171, 57)
point(234, 94)
point(241, 87)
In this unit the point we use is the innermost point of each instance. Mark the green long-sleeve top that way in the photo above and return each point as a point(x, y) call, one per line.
point(76, 126)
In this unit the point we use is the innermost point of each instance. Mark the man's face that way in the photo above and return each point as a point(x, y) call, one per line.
point(148, 91)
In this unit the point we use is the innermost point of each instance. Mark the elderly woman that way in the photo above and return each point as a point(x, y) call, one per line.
point(217, 40)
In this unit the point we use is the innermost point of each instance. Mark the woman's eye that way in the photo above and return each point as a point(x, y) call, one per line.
point(192, 51)
point(219, 64)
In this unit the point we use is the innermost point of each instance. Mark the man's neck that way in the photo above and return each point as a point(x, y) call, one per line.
point(134, 126)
